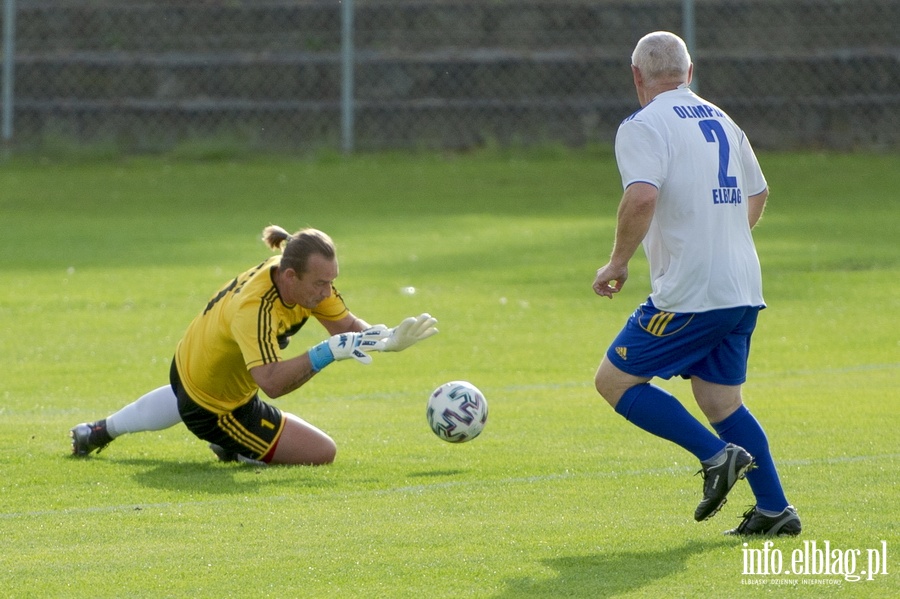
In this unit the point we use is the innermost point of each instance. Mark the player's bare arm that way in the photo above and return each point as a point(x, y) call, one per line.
point(349, 324)
point(280, 378)
point(756, 205)
point(633, 220)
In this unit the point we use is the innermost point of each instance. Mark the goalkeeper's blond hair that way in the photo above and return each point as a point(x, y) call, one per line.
point(296, 248)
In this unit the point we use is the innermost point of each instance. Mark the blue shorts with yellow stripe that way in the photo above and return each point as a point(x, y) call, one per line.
point(713, 346)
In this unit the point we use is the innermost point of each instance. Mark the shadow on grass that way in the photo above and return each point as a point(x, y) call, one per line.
point(436, 473)
point(607, 574)
point(215, 478)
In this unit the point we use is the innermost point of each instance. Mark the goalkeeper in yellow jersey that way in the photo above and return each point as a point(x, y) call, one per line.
point(232, 350)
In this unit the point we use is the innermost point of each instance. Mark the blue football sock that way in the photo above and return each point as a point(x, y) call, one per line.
point(741, 428)
point(658, 412)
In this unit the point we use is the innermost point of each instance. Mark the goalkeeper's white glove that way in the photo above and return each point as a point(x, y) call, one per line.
point(410, 331)
point(378, 329)
point(347, 345)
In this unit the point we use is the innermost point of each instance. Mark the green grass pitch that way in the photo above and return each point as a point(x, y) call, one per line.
point(103, 264)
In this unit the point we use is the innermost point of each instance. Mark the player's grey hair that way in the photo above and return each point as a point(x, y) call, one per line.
point(661, 56)
point(298, 247)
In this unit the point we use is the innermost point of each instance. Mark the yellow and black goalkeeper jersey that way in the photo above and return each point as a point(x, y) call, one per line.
point(239, 329)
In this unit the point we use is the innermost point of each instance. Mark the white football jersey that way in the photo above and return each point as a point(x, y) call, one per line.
point(699, 246)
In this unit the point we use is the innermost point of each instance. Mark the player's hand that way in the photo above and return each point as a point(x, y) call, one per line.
point(410, 331)
point(355, 345)
point(610, 279)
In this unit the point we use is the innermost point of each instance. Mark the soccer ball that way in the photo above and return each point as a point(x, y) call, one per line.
point(457, 411)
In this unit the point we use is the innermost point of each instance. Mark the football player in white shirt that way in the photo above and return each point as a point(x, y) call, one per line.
point(693, 190)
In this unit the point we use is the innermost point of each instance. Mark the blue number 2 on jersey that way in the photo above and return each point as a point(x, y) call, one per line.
point(714, 132)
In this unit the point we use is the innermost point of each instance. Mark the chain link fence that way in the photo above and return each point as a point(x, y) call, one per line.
point(148, 76)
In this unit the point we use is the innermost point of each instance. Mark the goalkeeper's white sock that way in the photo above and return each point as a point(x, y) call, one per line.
point(152, 412)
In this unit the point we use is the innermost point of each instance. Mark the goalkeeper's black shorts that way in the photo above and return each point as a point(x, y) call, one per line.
point(251, 430)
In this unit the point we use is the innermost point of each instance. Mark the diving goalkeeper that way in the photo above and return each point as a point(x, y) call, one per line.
point(233, 349)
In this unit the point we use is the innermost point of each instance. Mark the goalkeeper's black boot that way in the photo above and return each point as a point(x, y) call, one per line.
point(227, 456)
point(718, 478)
point(88, 437)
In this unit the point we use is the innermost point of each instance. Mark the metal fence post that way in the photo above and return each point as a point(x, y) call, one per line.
point(9, 46)
point(347, 108)
point(689, 23)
